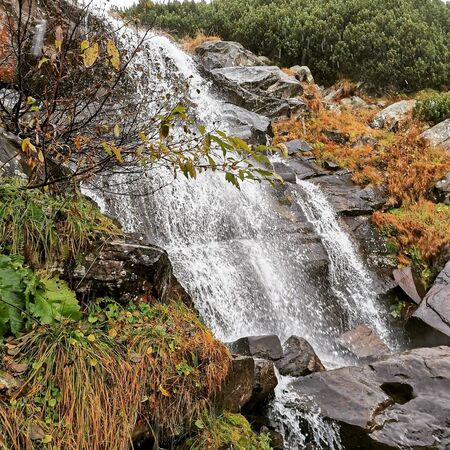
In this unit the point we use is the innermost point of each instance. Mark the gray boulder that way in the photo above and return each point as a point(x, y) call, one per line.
point(125, 270)
point(363, 343)
point(299, 358)
point(439, 135)
point(219, 54)
point(253, 128)
point(400, 402)
point(264, 383)
point(393, 115)
point(336, 136)
point(434, 310)
point(354, 102)
point(11, 160)
point(266, 347)
point(266, 90)
point(303, 74)
point(405, 279)
point(297, 146)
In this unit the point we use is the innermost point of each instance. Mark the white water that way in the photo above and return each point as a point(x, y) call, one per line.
point(241, 254)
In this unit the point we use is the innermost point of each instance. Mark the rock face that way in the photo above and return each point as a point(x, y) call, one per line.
point(439, 135)
point(392, 116)
point(405, 279)
point(218, 54)
point(247, 125)
point(264, 383)
point(434, 309)
point(298, 359)
point(11, 163)
point(266, 347)
point(266, 90)
point(363, 343)
point(125, 270)
point(400, 402)
point(303, 74)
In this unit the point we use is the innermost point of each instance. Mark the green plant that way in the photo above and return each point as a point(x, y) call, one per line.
point(26, 298)
point(434, 108)
point(47, 228)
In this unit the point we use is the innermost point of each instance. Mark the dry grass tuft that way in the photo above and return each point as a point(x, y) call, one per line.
point(191, 43)
point(87, 387)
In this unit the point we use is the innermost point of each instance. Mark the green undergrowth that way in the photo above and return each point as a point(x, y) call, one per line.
point(27, 298)
point(226, 430)
point(433, 108)
point(45, 228)
point(93, 384)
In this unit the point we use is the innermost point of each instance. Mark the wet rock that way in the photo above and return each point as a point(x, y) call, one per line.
point(393, 115)
point(336, 136)
point(219, 54)
point(297, 146)
point(434, 310)
point(266, 90)
point(305, 169)
point(237, 388)
point(443, 190)
point(11, 161)
point(126, 270)
point(405, 279)
point(439, 135)
point(253, 128)
point(303, 74)
point(264, 383)
point(266, 347)
point(299, 358)
point(285, 172)
point(363, 343)
point(399, 402)
point(346, 197)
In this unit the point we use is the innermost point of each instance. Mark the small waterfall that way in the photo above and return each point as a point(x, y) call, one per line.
point(242, 255)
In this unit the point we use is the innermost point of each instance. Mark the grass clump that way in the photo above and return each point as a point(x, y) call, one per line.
point(47, 228)
point(216, 432)
point(191, 43)
point(417, 233)
point(95, 384)
point(434, 108)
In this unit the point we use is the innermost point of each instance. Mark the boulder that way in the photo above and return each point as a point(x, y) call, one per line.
point(442, 189)
point(297, 146)
point(336, 136)
point(266, 90)
point(399, 402)
point(298, 359)
point(266, 347)
point(434, 310)
point(439, 135)
point(363, 343)
point(305, 169)
point(11, 161)
point(393, 115)
point(405, 279)
point(253, 128)
point(237, 387)
point(365, 140)
point(284, 171)
point(354, 102)
point(264, 383)
point(303, 74)
point(219, 54)
point(126, 270)
point(346, 197)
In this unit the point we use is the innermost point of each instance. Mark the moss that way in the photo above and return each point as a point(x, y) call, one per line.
point(90, 385)
point(45, 228)
point(215, 432)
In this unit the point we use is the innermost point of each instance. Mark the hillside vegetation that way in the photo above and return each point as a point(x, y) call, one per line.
point(401, 44)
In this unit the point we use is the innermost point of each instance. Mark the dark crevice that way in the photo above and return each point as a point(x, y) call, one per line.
point(401, 393)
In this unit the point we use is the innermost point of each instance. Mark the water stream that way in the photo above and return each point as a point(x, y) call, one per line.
point(249, 263)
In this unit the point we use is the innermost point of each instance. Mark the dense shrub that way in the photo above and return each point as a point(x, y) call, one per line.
point(434, 108)
point(404, 44)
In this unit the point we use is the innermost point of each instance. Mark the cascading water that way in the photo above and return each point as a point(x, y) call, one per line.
point(243, 255)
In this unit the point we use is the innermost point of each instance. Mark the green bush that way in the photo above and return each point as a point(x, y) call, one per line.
point(26, 297)
point(401, 44)
point(435, 108)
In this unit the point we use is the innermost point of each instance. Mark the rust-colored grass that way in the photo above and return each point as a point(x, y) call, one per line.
point(191, 43)
point(91, 386)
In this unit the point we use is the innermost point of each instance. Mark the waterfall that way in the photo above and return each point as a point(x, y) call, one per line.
point(248, 263)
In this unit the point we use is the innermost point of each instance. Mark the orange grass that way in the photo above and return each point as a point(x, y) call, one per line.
point(191, 43)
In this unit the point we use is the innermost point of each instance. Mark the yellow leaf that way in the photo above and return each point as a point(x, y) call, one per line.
point(40, 156)
point(26, 144)
point(58, 44)
point(163, 391)
point(31, 101)
point(114, 54)
point(116, 130)
point(47, 439)
point(91, 338)
point(149, 351)
point(42, 61)
point(116, 152)
point(112, 333)
point(84, 44)
point(90, 55)
point(93, 362)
